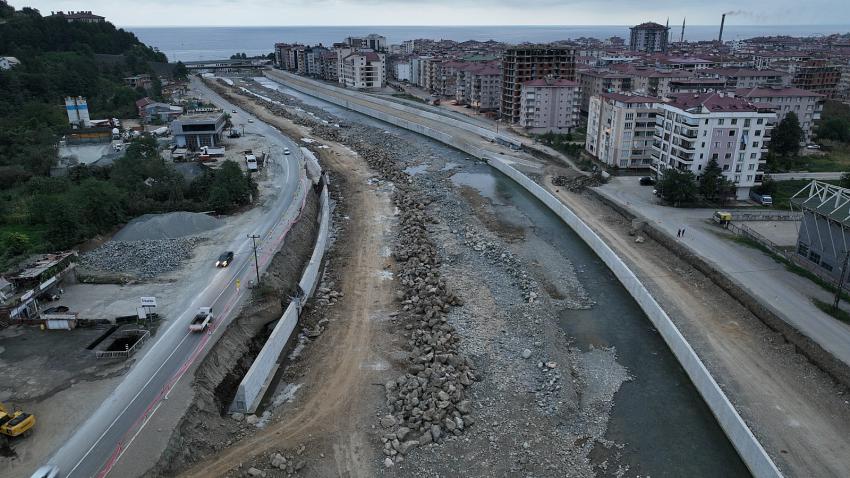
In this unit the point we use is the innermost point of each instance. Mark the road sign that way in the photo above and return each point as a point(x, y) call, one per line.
point(148, 301)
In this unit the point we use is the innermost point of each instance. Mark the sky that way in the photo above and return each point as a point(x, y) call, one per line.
point(450, 12)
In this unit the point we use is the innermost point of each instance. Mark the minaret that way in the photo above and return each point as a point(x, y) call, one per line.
point(682, 37)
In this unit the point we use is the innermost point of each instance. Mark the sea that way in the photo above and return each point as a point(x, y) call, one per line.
point(209, 43)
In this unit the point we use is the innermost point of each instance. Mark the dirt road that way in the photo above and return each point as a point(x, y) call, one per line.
point(796, 411)
point(349, 357)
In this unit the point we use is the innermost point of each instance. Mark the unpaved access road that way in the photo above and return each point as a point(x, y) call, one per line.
point(349, 358)
point(798, 413)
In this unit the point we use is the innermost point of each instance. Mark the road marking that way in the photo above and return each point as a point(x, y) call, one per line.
point(128, 404)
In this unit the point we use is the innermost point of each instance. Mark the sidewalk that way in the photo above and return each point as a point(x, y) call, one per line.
point(786, 294)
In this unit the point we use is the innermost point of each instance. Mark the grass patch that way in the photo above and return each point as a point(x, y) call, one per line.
point(786, 189)
point(839, 314)
point(408, 96)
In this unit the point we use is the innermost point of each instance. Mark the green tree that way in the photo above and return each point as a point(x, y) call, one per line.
point(180, 71)
point(787, 136)
point(17, 243)
point(768, 187)
point(711, 180)
point(836, 129)
point(677, 187)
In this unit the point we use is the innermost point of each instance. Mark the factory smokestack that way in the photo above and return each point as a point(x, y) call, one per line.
point(722, 21)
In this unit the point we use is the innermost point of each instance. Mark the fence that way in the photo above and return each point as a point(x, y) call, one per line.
point(766, 216)
point(144, 336)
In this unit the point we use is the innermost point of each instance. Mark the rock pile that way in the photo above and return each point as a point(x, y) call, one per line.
point(496, 254)
point(577, 183)
point(144, 259)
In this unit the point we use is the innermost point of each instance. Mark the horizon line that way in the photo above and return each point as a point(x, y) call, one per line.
point(476, 25)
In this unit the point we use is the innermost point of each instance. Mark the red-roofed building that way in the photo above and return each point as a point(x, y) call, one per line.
point(361, 69)
point(549, 105)
point(694, 128)
point(478, 85)
point(807, 105)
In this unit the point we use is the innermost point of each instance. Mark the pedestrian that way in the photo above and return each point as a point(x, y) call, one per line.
point(683, 232)
point(678, 233)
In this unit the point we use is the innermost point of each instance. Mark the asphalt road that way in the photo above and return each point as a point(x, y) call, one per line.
point(787, 294)
point(108, 433)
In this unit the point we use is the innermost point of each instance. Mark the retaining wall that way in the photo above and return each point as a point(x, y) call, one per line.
point(255, 382)
point(748, 447)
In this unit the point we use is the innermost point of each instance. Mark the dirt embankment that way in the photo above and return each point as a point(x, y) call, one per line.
point(797, 411)
point(206, 428)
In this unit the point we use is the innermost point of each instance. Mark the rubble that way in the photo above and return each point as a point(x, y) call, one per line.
point(144, 259)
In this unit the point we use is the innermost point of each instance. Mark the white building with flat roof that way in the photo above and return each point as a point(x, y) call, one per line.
point(549, 105)
point(692, 129)
point(807, 105)
point(620, 129)
point(361, 69)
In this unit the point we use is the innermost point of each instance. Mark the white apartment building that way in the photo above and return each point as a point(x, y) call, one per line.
point(549, 105)
point(620, 129)
point(807, 105)
point(691, 129)
point(402, 71)
point(361, 69)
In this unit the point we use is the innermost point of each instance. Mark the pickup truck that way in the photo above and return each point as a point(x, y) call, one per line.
point(202, 319)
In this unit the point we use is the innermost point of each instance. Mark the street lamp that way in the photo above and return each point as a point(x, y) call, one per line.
point(254, 238)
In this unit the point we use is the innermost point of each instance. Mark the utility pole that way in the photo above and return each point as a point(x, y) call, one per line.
point(841, 281)
point(254, 238)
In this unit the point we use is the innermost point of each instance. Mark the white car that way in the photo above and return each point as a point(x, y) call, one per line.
point(812, 146)
point(286, 151)
point(46, 471)
point(250, 120)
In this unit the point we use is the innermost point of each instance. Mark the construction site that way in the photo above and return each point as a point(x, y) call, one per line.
point(414, 312)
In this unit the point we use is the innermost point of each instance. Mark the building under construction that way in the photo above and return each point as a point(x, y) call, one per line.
point(532, 62)
point(825, 226)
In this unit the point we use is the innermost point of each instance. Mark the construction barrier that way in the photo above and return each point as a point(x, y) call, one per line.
point(751, 451)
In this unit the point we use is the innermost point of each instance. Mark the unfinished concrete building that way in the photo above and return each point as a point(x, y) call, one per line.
point(532, 62)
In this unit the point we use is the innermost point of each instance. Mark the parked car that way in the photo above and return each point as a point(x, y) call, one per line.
point(224, 259)
point(234, 111)
point(250, 120)
point(646, 181)
point(286, 151)
point(812, 146)
point(762, 199)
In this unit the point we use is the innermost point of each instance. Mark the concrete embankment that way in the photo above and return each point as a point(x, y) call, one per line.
point(751, 451)
point(255, 382)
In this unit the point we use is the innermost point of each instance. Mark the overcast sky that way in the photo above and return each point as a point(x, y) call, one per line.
point(451, 12)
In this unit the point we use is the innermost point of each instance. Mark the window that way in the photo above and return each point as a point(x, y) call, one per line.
point(747, 123)
point(758, 132)
point(826, 266)
point(627, 126)
point(704, 133)
point(732, 133)
point(738, 168)
point(703, 144)
point(630, 116)
point(717, 144)
point(721, 121)
point(726, 167)
point(714, 156)
point(814, 257)
point(749, 177)
point(751, 166)
point(740, 156)
point(734, 120)
point(802, 249)
point(728, 145)
point(752, 155)
point(755, 144)
point(727, 156)
point(760, 121)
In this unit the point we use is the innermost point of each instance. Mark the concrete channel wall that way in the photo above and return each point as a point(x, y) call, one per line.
point(752, 453)
point(253, 386)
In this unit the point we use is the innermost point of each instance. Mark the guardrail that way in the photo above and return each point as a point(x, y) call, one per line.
point(748, 447)
point(766, 216)
point(107, 354)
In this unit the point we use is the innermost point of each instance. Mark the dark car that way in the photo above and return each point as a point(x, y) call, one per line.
point(225, 259)
point(646, 181)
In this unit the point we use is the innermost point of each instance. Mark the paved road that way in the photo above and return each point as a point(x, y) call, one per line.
point(786, 294)
point(820, 176)
point(104, 437)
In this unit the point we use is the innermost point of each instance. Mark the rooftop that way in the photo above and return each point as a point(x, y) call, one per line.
point(630, 98)
point(776, 92)
point(550, 82)
point(713, 102)
point(650, 26)
point(197, 118)
point(825, 199)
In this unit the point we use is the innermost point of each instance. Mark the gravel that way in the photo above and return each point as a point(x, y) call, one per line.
point(144, 259)
point(166, 226)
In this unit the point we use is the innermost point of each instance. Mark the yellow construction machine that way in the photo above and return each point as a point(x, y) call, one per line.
point(15, 423)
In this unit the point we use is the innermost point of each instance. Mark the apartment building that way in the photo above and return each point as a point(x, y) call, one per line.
point(532, 62)
point(361, 69)
point(807, 105)
point(820, 76)
point(329, 68)
point(479, 85)
point(649, 37)
point(373, 41)
point(620, 129)
point(549, 105)
point(748, 77)
point(594, 82)
point(402, 71)
point(654, 82)
point(692, 129)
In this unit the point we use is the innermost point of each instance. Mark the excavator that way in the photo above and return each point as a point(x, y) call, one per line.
point(15, 423)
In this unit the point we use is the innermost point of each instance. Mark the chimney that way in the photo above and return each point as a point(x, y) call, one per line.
point(722, 21)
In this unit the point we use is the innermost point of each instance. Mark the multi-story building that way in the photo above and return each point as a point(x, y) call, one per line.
point(532, 62)
point(655, 82)
point(620, 129)
point(330, 67)
point(198, 129)
point(820, 76)
point(79, 17)
point(373, 41)
point(649, 37)
point(401, 71)
point(692, 129)
point(478, 85)
point(361, 69)
point(549, 105)
point(748, 77)
point(807, 105)
point(594, 82)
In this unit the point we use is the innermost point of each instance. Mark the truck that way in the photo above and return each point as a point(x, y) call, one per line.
point(251, 161)
point(762, 199)
point(202, 319)
point(722, 218)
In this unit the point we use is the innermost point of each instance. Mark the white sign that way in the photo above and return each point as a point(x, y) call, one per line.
point(148, 301)
point(141, 313)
